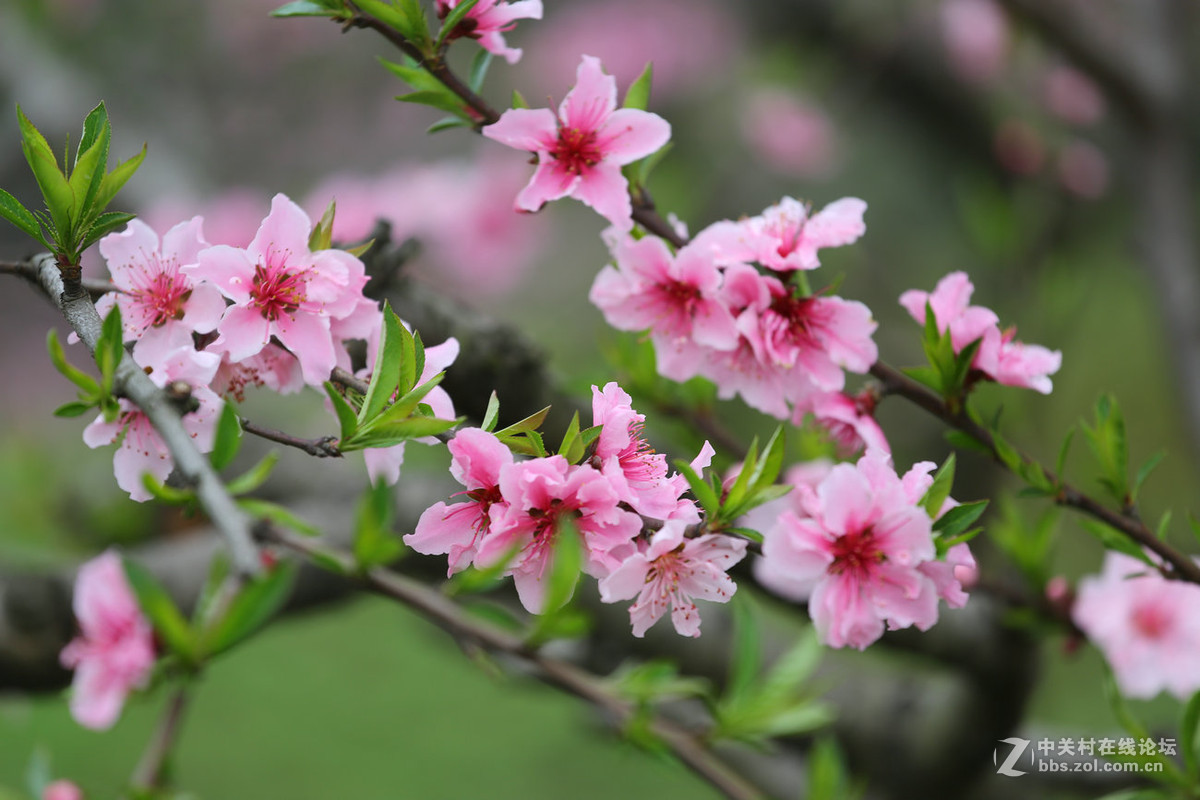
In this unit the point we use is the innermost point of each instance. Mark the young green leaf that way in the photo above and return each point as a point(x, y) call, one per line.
point(375, 543)
point(395, 347)
point(456, 15)
point(110, 349)
point(347, 416)
point(958, 519)
point(113, 181)
point(321, 237)
point(492, 414)
point(638, 94)
point(49, 176)
point(160, 609)
point(747, 651)
point(103, 225)
point(479, 69)
point(58, 358)
point(254, 605)
point(939, 490)
point(228, 438)
point(530, 423)
point(302, 8)
point(264, 509)
point(1144, 472)
point(91, 162)
point(705, 494)
point(254, 477)
point(12, 210)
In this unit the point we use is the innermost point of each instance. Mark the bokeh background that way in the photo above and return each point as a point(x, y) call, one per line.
point(977, 142)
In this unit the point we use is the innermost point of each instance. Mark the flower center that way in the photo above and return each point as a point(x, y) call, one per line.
point(576, 150)
point(277, 292)
point(1150, 620)
point(163, 298)
point(856, 553)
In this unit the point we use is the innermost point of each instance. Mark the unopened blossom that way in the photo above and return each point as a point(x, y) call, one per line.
point(999, 357)
point(1147, 627)
point(581, 150)
point(169, 358)
point(628, 461)
point(672, 572)
point(856, 554)
point(281, 289)
point(153, 292)
point(674, 296)
point(541, 494)
point(114, 652)
point(456, 529)
point(488, 20)
point(62, 790)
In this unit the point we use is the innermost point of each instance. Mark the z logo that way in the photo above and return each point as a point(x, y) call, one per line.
point(1018, 747)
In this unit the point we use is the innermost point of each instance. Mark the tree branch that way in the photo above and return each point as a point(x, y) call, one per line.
point(132, 383)
point(26, 270)
point(324, 447)
point(447, 615)
point(150, 770)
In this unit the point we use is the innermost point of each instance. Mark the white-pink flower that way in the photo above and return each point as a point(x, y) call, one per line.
point(457, 529)
point(62, 790)
point(488, 20)
point(849, 424)
point(153, 292)
point(676, 297)
point(628, 461)
point(672, 572)
point(114, 652)
point(787, 237)
point(856, 553)
point(539, 495)
point(1147, 627)
point(169, 357)
point(281, 289)
point(582, 149)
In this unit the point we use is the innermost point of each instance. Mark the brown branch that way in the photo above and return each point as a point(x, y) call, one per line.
point(1177, 565)
point(324, 447)
point(686, 745)
point(151, 769)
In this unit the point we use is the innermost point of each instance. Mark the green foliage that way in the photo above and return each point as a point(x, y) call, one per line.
point(937, 493)
point(759, 705)
point(76, 195)
point(264, 509)
point(754, 485)
point(1113, 539)
point(1189, 746)
point(828, 776)
point(456, 15)
point(375, 543)
point(1027, 546)
point(523, 437)
point(378, 421)
point(227, 439)
point(91, 394)
point(638, 94)
point(253, 605)
point(1106, 438)
point(174, 631)
point(334, 9)
point(558, 619)
point(428, 90)
point(948, 371)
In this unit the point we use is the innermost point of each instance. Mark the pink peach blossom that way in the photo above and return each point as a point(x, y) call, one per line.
point(671, 572)
point(114, 652)
point(581, 151)
point(785, 237)
point(1147, 627)
point(539, 493)
point(856, 553)
point(789, 135)
point(628, 461)
point(976, 36)
point(280, 289)
point(457, 529)
point(487, 21)
point(169, 358)
point(1072, 96)
point(851, 427)
point(62, 790)
point(153, 292)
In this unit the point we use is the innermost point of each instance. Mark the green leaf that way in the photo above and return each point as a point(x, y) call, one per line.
point(518, 100)
point(404, 406)
point(113, 181)
point(254, 477)
point(747, 651)
point(358, 251)
point(321, 237)
point(103, 225)
point(1060, 464)
point(264, 509)
point(228, 438)
point(446, 123)
point(406, 16)
point(110, 349)
point(570, 438)
point(375, 543)
point(1188, 726)
point(492, 414)
point(212, 591)
point(442, 99)
point(958, 519)
point(302, 8)
point(792, 670)
point(964, 441)
point(566, 564)
point(1164, 525)
point(939, 490)
point(638, 94)
point(647, 164)
point(49, 176)
point(254, 605)
point(386, 435)
point(1007, 454)
point(456, 15)
point(1144, 473)
point(91, 161)
point(74, 409)
point(1113, 539)
point(395, 348)
point(479, 69)
point(160, 609)
point(1107, 441)
point(530, 423)
point(167, 494)
point(58, 358)
point(702, 489)
point(737, 491)
point(926, 376)
point(12, 210)
point(347, 416)
point(828, 777)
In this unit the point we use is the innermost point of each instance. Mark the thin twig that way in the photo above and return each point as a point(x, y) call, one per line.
point(26, 269)
point(150, 769)
point(135, 385)
point(1177, 564)
point(432, 605)
point(324, 447)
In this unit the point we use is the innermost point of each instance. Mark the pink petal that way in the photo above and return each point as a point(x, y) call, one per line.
point(592, 99)
point(204, 309)
point(532, 129)
point(549, 182)
point(228, 268)
point(629, 134)
point(244, 332)
point(183, 242)
point(309, 339)
point(839, 223)
point(128, 252)
point(605, 189)
point(285, 230)
point(626, 581)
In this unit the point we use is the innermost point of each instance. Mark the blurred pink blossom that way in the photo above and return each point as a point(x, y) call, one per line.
point(488, 20)
point(62, 790)
point(1083, 169)
point(976, 36)
point(114, 652)
point(1147, 627)
point(788, 135)
point(689, 41)
point(1072, 96)
point(231, 217)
